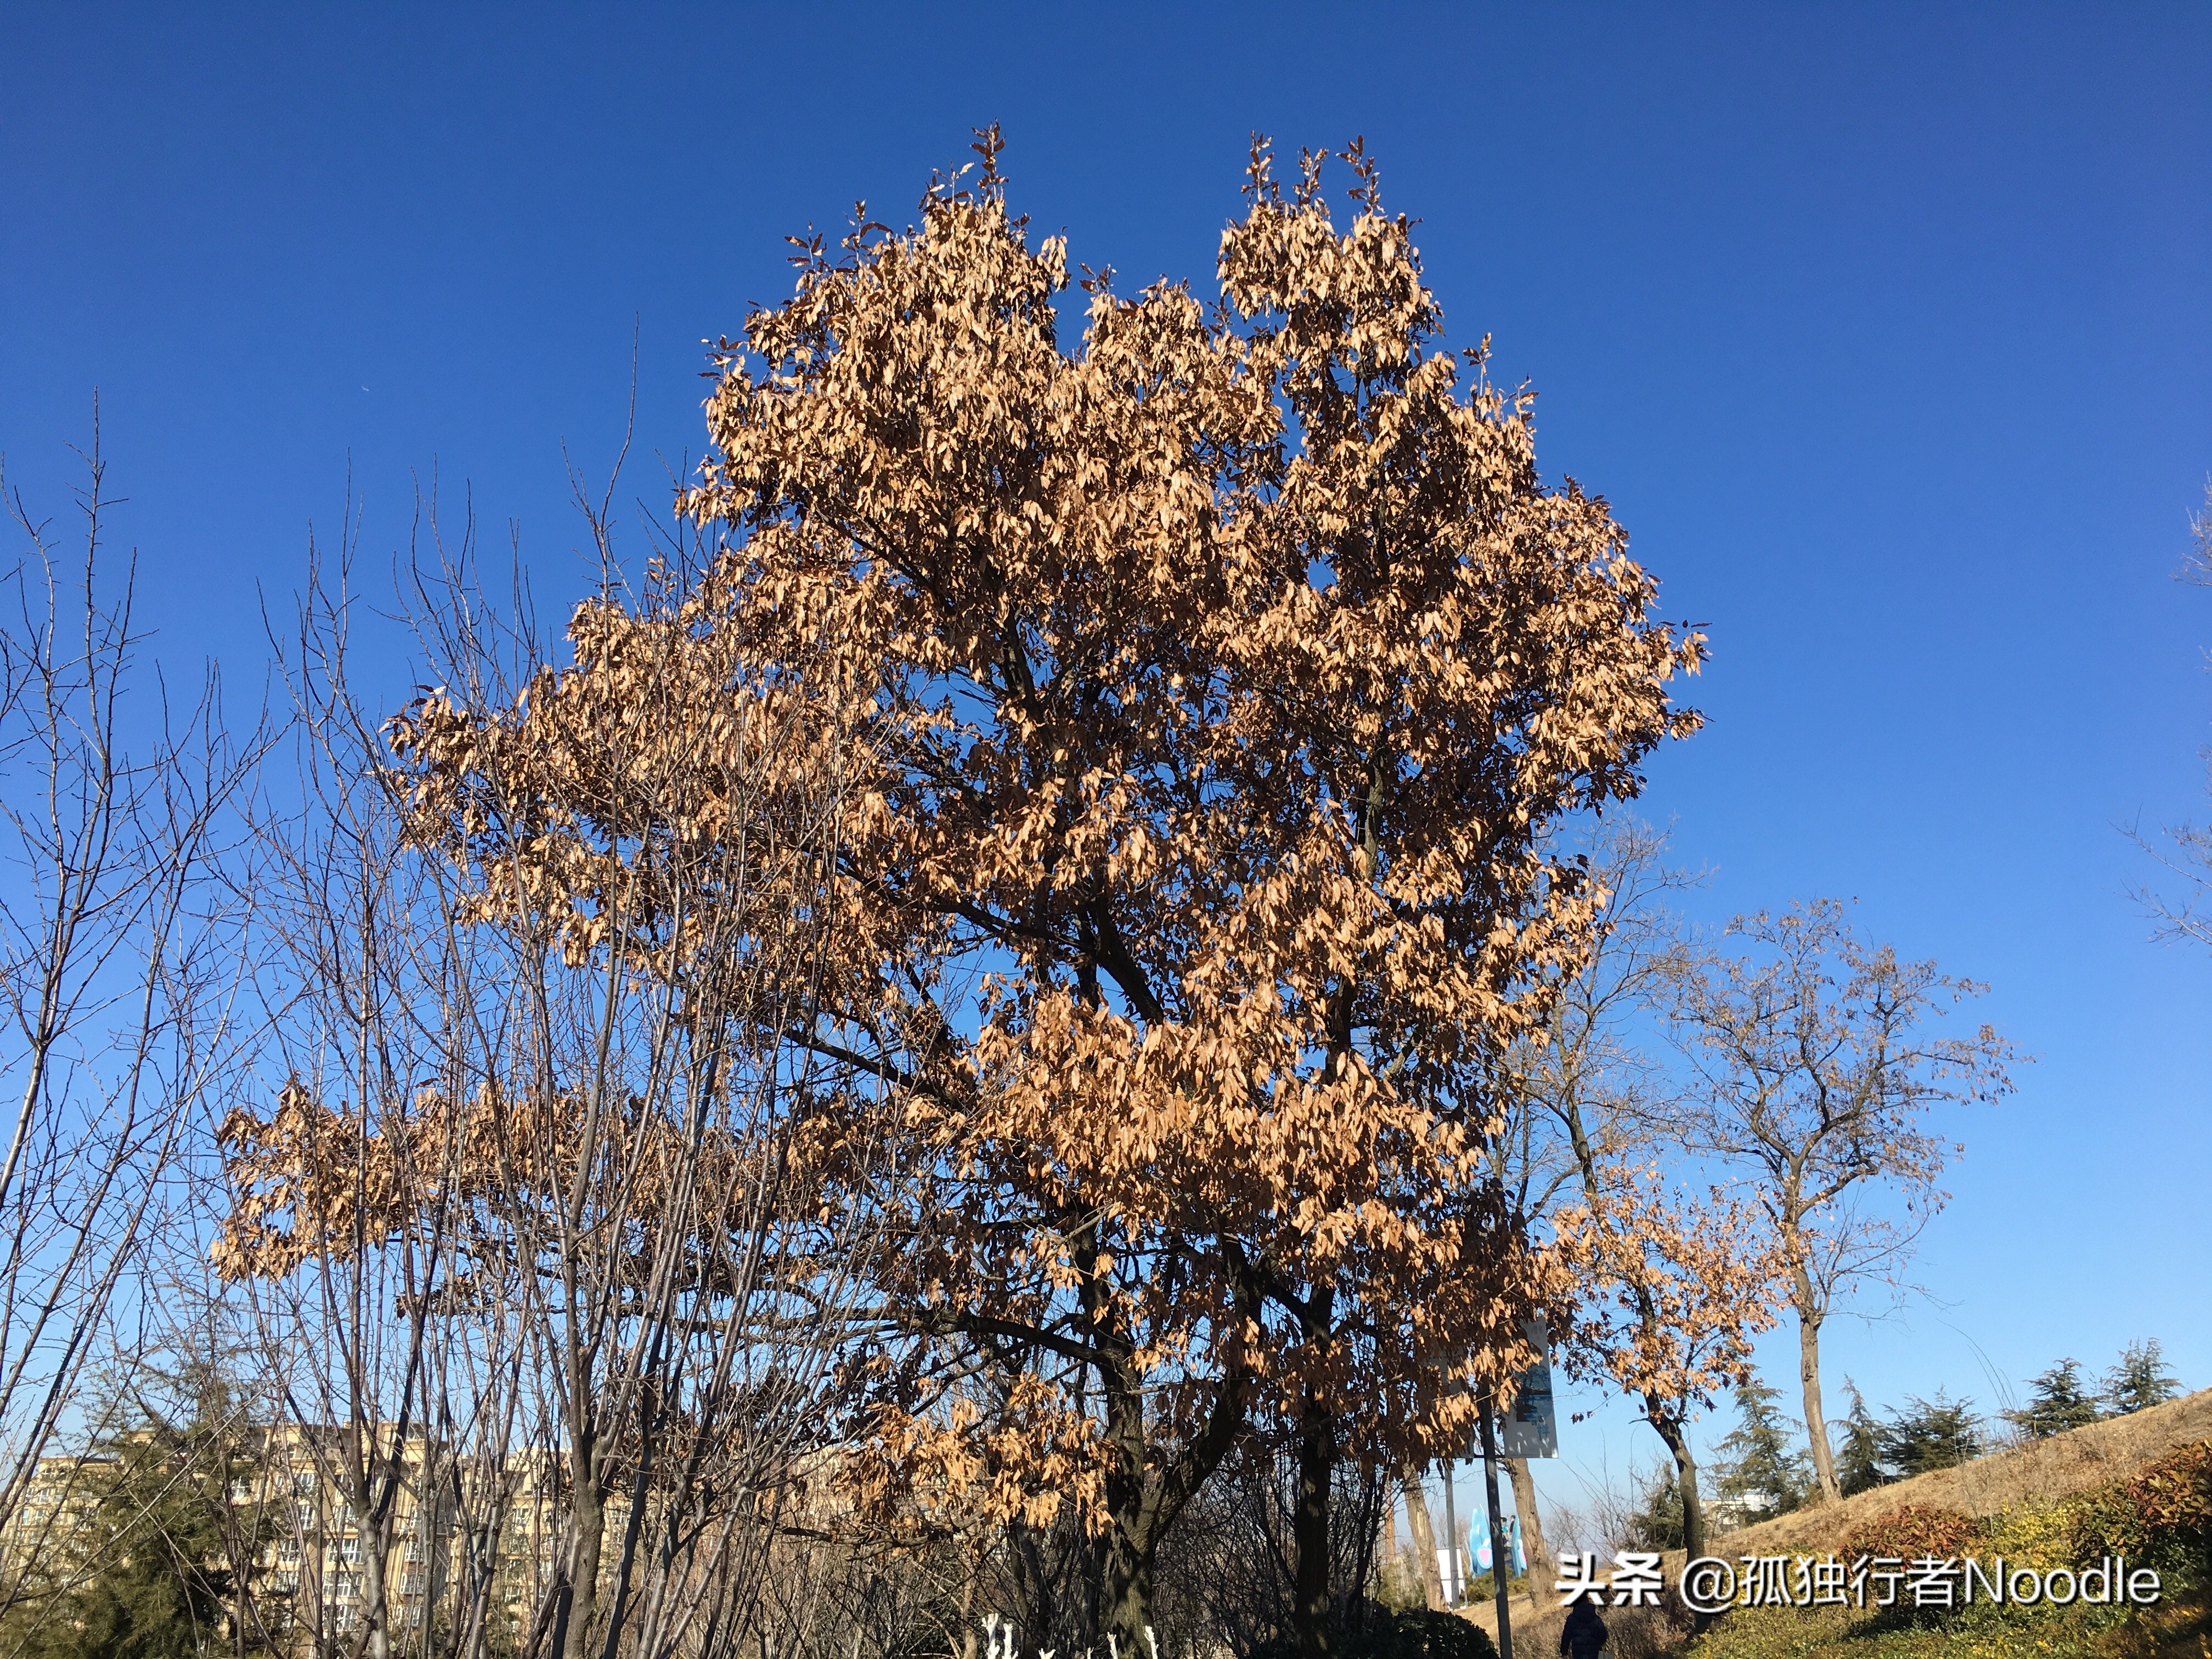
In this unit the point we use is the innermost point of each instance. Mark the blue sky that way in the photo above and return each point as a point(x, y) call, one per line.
point(1885, 329)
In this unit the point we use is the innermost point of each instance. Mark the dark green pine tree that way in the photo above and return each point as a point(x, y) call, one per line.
point(1759, 1466)
point(2140, 1380)
point(147, 1573)
point(2059, 1401)
point(1656, 1523)
point(1937, 1434)
point(1858, 1448)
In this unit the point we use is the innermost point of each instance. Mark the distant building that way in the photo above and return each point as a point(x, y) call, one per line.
point(1733, 1514)
point(461, 1529)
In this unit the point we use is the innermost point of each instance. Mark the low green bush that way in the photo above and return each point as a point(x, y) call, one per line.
point(2160, 1517)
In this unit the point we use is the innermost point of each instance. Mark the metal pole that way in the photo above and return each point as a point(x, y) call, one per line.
point(1501, 1557)
point(1454, 1591)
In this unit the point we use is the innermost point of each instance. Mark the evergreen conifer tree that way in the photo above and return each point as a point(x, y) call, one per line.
point(1657, 1522)
point(1926, 1435)
point(1758, 1467)
point(2140, 1380)
point(2059, 1402)
point(148, 1571)
point(1858, 1454)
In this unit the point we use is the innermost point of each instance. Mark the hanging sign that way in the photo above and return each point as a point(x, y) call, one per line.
point(1532, 1427)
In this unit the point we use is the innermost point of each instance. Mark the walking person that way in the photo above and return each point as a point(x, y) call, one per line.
point(1584, 1633)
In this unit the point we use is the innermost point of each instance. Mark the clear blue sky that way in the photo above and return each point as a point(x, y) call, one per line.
point(1886, 329)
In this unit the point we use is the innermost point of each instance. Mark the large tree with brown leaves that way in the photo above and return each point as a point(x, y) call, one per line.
point(1196, 692)
point(1229, 660)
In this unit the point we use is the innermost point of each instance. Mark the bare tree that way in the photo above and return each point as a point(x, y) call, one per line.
point(383, 1376)
point(2187, 849)
point(539, 1225)
point(1231, 1578)
point(112, 969)
point(1816, 1071)
point(1674, 1286)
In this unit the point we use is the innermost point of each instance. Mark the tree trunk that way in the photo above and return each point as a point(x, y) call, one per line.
point(376, 1594)
point(1540, 1571)
point(580, 1596)
point(1809, 1315)
point(1124, 1599)
point(1425, 1539)
point(1685, 1477)
point(1310, 1527)
point(1124, 1591)
point(1026, 1581)
point(1143, 1507)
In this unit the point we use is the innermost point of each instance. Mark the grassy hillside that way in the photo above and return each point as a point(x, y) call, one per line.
point(2041, 1505)
point(2064, 1464)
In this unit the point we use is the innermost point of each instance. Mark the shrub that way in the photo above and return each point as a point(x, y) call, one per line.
point(2174, 1497)
point(1422, 1634)
point(1416, 1634)
point(2161, 1516)
point(2041, 1532)
point(1913, 1530)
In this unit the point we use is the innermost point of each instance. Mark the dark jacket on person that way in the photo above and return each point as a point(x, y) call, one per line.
point(1584, 1632)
